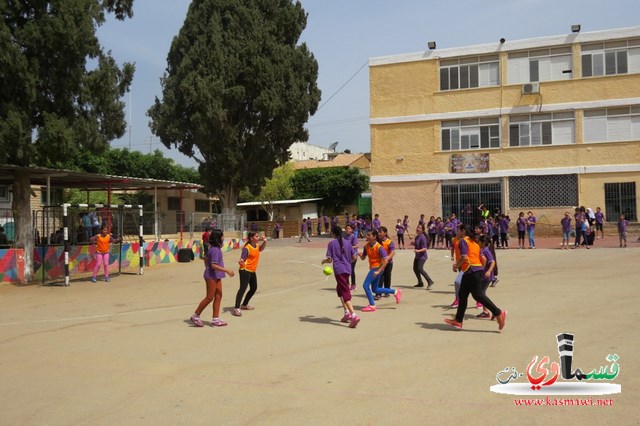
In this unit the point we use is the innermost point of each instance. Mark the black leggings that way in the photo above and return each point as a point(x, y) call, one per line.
point(353, 272)
point(418, 269)
point(246, 279)
point(386, 277)
point(472, 284)
point(401, 239)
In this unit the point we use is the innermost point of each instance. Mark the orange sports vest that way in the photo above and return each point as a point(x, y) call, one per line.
point(373, 253)
point(386, 243)
point(251, 263)
point(473, 256)
point(102, 243)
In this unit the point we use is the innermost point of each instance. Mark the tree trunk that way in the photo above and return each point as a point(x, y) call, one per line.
point(229, 200)
point(21, 206)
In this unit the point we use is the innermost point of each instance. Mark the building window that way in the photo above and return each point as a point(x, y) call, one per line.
point(474, 133)
point(611, 58)
point(173, 203)
point(539, 65)
point(543, 191)
point(620, 198)
point(56, 196)
point(467, 73)
point(5, 195)
point(203, 206)
point(612, 124)
point(542, 129)
point(463, 199)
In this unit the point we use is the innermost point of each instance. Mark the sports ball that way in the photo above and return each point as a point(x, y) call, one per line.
point(327, 270)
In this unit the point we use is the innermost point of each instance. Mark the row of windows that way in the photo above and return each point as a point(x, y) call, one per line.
point(599, 59)
point(602, 125)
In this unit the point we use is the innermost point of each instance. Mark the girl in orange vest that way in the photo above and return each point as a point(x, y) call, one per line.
point(248, 262)
point(103, 242)
point(471, 283)
point(378, 259)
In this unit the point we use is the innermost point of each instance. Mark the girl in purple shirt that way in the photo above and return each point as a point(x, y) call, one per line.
point(566, 230)
point(341, 254)
point(421, 258)
point(400, 234)
point(214, 272)
point(521, 225)
point(351, 238)
point(600, 220)
point(531, 227)
point(622, 230)
point(488, 259)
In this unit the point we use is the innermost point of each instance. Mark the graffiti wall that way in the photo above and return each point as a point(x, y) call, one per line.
point(49, 261)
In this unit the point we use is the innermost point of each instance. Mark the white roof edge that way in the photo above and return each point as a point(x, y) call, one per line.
point(497, 47)
point(259, 203)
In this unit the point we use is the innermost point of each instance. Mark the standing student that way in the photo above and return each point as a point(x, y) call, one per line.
point(600, 221)
point(504, 230)
point(432, 231)
point(205, 241)
point(566, 230)
point(304, 229)
point(378, 260)
point(249, 258)
point(352, 239)
point(400, 234)
point(103, 242)
point(472, 279)
point(521, 226)
point(390, 248)
point(341, 253)
point(421, 258)
point(405, 225)
point(622, 230)
point(214, 272)
point(531, 227)
point(376, 222)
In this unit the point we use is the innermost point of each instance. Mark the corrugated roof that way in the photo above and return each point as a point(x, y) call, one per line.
point(341, 160)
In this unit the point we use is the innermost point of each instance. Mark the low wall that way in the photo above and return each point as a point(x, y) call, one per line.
point(49, 260)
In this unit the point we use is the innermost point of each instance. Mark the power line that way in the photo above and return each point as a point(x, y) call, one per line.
point(342, 87)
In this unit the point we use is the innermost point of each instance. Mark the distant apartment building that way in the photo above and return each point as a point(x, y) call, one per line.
point(542, 124)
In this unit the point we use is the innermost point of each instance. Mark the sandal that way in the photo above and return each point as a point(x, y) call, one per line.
point(236, 312)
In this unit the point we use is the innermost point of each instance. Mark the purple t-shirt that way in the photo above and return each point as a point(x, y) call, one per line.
point(504, 225)
point(376, 224)
point(566, 224)
point(351, 239)
point(421, 242)
point(622, 226)
point(486, 252)
point(522, 224)
point(400, 229)
point(341, 258)
point(214, 255)
point(531, 222)
point(599, 217)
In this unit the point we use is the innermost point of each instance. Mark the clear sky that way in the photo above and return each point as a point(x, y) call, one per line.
point(343, 35)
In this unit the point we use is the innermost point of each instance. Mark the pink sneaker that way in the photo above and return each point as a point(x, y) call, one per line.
point(196, 321)
point(236, 312)
point(398, 295)
point(478, 305)
point(247, 308)
point(217, 323)
point(453, 323)
point(455, 303)
point(369, 308)
point(354, 321)
point(346, 317)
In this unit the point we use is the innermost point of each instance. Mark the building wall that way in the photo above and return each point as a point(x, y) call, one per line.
point(408, 107)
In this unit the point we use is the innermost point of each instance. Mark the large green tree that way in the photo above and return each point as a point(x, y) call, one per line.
point(337, 186)
point(237, 91)
point(60, 93)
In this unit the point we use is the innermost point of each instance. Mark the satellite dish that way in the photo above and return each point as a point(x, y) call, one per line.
point(333, 146)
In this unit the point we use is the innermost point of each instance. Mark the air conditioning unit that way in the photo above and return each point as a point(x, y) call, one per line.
point(530, 88)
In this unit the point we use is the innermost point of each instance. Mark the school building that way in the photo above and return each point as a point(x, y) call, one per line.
point(542, 124)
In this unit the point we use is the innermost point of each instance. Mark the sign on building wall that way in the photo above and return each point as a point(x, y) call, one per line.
point(469, 163)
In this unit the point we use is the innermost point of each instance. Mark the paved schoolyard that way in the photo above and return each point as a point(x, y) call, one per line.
point(124, 353)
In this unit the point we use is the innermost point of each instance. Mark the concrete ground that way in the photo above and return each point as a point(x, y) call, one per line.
point(125, 353)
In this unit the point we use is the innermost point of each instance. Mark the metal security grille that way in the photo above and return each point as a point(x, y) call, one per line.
point(620, 198)
point(543, 191)
point(463, 199)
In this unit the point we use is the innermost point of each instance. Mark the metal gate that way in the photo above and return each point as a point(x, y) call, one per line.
point(620, 198)
point(463, 199)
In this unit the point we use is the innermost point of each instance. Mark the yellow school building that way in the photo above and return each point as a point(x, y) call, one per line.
point(542, 124)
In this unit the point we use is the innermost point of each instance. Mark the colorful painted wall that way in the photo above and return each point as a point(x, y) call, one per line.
point(49, 261)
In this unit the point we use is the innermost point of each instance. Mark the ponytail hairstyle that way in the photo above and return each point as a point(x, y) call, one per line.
point(468, 232)
point(336, 231)
point(250, 234)
point(216, 237)
point(488, 242)
point(383, 229)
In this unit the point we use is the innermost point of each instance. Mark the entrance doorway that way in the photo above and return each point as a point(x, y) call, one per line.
point(463, 199)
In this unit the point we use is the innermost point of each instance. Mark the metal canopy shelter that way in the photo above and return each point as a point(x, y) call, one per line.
point(93, 182)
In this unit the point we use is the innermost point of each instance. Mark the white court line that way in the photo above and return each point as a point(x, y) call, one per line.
point(166, 308)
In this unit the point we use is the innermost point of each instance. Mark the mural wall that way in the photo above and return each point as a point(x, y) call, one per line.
point(49, 261)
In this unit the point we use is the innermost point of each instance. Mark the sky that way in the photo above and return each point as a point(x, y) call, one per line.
point(343, 35)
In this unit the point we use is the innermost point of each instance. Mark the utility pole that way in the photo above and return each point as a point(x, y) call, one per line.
point(129, 121)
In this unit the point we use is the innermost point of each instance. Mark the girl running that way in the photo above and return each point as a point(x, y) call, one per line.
point(472, 279)
point(341, 253)
point(488, 259)
point(248, 262)
point(103, 242)
point(213, 274)
point(378, 260)
point(421, 258)
point(390, 248)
